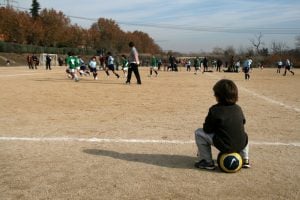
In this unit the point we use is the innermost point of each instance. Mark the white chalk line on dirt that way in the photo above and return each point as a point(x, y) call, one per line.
point(138, 141)
point(268, 99)
point(14, 75)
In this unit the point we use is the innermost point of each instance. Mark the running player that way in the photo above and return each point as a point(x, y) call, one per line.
point(247, 67)
point(93, 67)
point(125, 65)
point(197, 64)
point(73, 63)
point(153, 66)
point(110, 65)
point(279, 66)
point(288, 67)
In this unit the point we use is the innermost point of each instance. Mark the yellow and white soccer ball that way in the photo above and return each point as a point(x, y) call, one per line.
point(230, 162)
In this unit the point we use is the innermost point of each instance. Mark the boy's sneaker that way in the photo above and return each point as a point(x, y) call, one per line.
point(246, 163)
point(203, 164)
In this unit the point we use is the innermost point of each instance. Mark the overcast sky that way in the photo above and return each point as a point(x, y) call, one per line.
point(191, 25)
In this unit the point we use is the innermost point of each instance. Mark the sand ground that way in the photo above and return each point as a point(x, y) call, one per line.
point(168, 108)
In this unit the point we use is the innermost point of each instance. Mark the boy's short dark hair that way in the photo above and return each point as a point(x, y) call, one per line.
point(226, 92)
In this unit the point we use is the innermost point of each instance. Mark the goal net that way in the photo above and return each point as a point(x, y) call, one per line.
point(54, 59)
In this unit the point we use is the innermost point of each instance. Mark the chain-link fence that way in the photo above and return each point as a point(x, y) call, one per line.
point(22, 48)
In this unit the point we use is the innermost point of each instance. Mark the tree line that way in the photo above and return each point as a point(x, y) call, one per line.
point(53, 28)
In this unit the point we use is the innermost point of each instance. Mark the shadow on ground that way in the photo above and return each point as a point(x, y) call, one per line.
point(85, 81)
point(163, 160)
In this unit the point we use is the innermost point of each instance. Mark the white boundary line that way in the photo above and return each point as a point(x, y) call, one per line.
point(14, 75)
point(265, 98)
point(270, 100)
point(138, 141)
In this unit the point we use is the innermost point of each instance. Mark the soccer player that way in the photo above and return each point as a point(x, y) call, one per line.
point(219, 65)
point(205, 64)
point(196, 65)
point(83, 68)
point(93, 67)
point(48, 62)
point(188, 65)
point(124, 65)
point(247, 67)
point(73, 63)
point(153, 66)
point(35, 61)
point(110, 65)
point(287, 67)
point(279, 66)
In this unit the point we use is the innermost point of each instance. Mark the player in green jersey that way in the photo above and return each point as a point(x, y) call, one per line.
point(73, 63)
point(153, 66)
point(125, 65)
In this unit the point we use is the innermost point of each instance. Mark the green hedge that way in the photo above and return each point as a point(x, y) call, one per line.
point(22, 48)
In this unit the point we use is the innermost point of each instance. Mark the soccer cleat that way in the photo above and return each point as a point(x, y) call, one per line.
point(203, 164)
point(246, 163)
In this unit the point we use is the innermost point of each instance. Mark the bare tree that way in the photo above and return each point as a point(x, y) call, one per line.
point(218, 51)
point(229, 51)
point(278, 47)
point(257, 42)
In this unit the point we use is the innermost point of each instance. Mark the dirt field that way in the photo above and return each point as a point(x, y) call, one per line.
point(103, 139)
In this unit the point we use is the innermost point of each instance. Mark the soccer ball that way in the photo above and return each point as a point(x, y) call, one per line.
point(230, 162)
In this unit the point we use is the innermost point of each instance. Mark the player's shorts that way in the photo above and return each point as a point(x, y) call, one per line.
point(125, 68)
point(83, 67)
point(93, 70)
point(72, 70)
point(111, 67)
point(287, 67)
point(246, 70)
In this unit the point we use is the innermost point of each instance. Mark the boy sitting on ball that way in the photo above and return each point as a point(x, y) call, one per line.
point(223, 127)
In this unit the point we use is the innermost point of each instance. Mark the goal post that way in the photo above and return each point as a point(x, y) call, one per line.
point(54, 59)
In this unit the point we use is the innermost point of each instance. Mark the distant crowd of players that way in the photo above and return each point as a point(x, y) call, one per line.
point(107, 63)
point(76, 66)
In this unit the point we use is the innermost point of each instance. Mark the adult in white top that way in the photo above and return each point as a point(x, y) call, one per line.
point(134, 61)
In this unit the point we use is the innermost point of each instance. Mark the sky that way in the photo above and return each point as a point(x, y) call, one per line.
point(191, 25)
